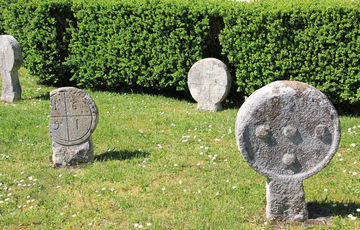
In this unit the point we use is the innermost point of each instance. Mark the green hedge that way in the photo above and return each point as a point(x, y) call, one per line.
point(150, 43)
point(41, 28)
point(113, 44)
point(3, 6)
point(317, 42)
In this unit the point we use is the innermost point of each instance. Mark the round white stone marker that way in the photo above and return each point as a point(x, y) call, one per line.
point(209, 83)
point(287, 131)
point(74, 116)
point(10, 62)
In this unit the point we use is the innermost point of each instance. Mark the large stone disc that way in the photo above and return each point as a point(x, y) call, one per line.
point(287, 129)
point(10, 54)
point(74, 116)
point(209, 81)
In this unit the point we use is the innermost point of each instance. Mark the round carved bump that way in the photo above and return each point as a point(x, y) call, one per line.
point(289, 159)
point(262, 131)
point(290, 131)
point(320, 131)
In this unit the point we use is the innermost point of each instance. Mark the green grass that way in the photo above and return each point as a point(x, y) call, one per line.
point(145, 143)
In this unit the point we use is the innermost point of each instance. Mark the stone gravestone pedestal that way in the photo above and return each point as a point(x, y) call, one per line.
point(209, 83)
point(287, 131)
point(74, 116)
point(10, 62)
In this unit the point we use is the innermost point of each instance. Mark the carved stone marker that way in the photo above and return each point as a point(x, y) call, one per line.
point(287, 131)
point(209, 83)
point(10, 62)
point(74, 116)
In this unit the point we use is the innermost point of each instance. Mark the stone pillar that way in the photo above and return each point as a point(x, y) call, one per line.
point(74, 116)
point(209, 83)
point(10, 62)
point(286, 200)
point(287, 131)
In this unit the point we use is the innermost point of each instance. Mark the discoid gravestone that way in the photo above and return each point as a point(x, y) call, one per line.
point(287, 131)
point(10, 62)
point(74, 116)
point(209, 83)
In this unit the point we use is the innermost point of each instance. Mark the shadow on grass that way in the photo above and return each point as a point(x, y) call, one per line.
point(321, 213)
point(168, 92)
point(120, 155)
point(325, 208)
point(232, 104)
point(45, 96)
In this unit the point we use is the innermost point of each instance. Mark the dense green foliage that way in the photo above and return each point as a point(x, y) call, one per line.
point(152, 43)
point(41, 29)
point(147, 43)
point(3, 5)
point(311, 41)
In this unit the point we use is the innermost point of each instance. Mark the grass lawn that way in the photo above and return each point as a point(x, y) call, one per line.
point(160, 164)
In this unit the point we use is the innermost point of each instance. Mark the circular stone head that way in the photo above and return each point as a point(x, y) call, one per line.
point(209, 81)
point(74, 116)
point(10, 53)
point(287, 129)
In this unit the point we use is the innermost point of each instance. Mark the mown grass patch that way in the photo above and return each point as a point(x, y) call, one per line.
point(159, 164)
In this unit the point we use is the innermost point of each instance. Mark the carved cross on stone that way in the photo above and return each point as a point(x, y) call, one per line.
point(74, 116)
point(209, 83)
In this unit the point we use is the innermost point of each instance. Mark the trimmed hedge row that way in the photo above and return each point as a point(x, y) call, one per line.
point(3, 5)
point(42, 29)
point(153, 43)
point(149, 43)
point(317, 42)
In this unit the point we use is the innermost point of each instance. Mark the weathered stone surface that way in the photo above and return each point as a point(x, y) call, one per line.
point(74, 116)
point(10, 62)
point(64, 155)
point(286, 200)
point(287, 131)
point(209, 83)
